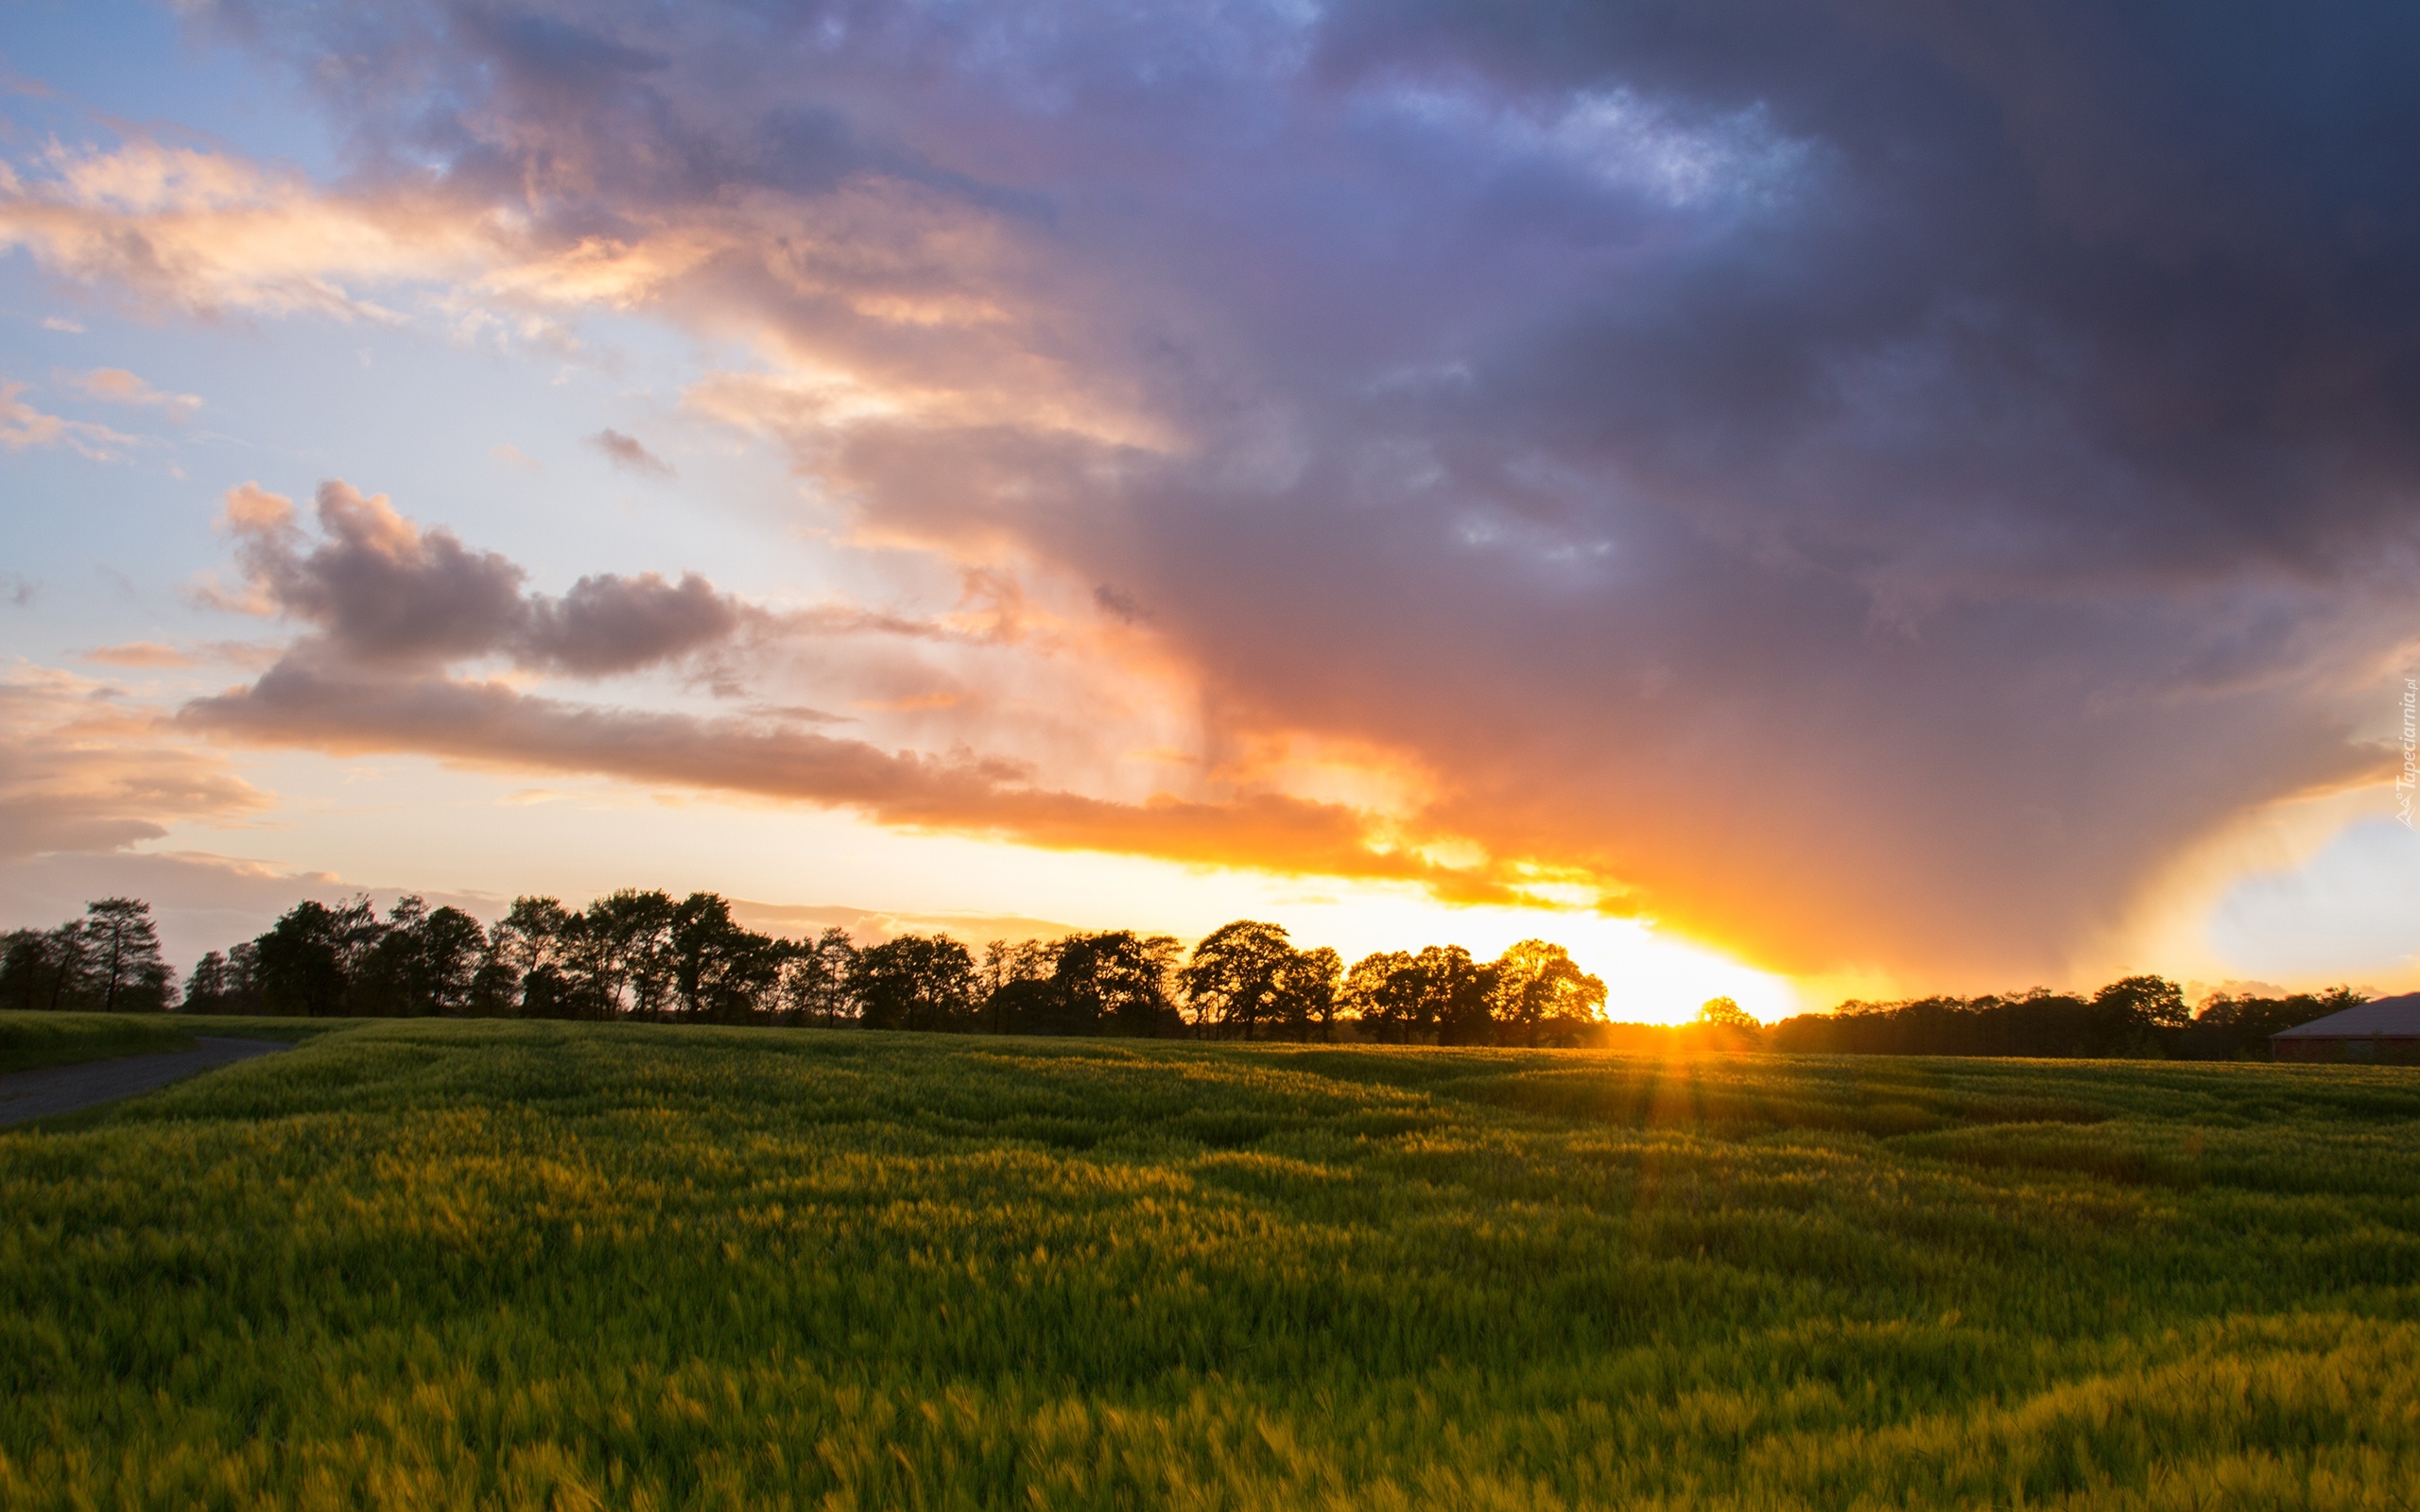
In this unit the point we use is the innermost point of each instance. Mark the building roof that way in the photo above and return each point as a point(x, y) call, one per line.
point(2393, 1018)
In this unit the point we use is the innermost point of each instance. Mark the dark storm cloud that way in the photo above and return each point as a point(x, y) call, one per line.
point(608, 623)
point(378, 589)
point(1868, 483)
point(382, 593)
point(2086, 291)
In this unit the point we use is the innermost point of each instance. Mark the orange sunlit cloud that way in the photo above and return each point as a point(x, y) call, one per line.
point(1594, 487)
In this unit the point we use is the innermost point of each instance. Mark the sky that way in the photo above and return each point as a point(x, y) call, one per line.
point(1793, 501)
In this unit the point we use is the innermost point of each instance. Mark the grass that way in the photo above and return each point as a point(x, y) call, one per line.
point(520, 1265)
point(29, 1042)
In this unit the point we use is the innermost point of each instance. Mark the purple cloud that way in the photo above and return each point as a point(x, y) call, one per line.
point(1865, 487)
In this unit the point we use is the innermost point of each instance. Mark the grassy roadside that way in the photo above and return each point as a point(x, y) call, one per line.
point(456, 1264)
point(29, 1042)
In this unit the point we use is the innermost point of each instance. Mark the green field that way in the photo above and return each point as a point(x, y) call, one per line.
point(29, 1042)
point(444, 1264)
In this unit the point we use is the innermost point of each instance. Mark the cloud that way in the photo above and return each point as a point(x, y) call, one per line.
point(870, 927)
point(298, 703)
point(178, 227)
point(80, 772)
point(627, 453)
point(21, 425)
point(117, 385)
point(380, 591)
point(140, 654)
point(394, 609)
point(200, 901)
point(153, 655)
point(60, 322)
point(1862, 487)
point(609, 624)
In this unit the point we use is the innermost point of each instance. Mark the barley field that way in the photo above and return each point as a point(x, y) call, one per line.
point(30, 1042)
point(456, 1264)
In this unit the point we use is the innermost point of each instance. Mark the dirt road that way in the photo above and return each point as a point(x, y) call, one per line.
point(25, 1096)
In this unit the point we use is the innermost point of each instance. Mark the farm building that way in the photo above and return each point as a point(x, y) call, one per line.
point(2387, 1031)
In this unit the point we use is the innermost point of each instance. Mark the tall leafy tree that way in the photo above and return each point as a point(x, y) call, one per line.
point(723, 971)
point(813, 986)
point(206, 983)
point(625, 953)
point(454, 946)
point(1116, 980)
point(1441, 994)
point(1234, 984)
point(1307, 992)
point(534, 952)
point(1538, 995)
point(226, 983)
point(1013, 985)
point(128, 972)
point(425, 962)
point(70, 948)
point(1454, 991)
point(914, 982)
point(311, 958)
point(1381, 992)
point(44, 967)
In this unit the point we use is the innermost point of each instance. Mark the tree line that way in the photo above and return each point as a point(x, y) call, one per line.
point(2133, 1018)
point(646, 955)
point(108, 961)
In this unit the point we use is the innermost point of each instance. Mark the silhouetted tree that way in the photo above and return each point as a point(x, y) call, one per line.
point(2231, 1026)
point(914, 982)
point(1234, 982)
point(1034, 1005)
point(814, 986)
point(1306, 990)
point(310, 958)
point(225, 984)
point(533, 953)
point(206, 983)
point(425, 962)
point(1454, 991)
point(1721, 1023)
point(1382, 992)
point(2138, 1016)
point(1538, 995)
point(1007, 1001)
point(1117, 981)
point(46, 968)
point(128, 974)
point(1438, 993)
point(623, 955)
point(723, 971)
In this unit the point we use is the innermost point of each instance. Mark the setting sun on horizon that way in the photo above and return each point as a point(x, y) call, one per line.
point(1257, 463)
point(1248, 755)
